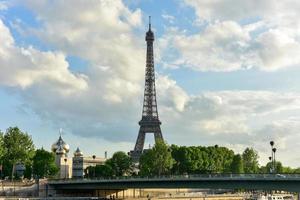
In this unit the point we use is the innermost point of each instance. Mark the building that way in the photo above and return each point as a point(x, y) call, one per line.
point(61, 149)
point(72, 167)
point(81, 163)
point(19, 170)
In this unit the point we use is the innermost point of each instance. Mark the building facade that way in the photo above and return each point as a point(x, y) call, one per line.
point(81, 163)
point(72, 167)
point(61, 149)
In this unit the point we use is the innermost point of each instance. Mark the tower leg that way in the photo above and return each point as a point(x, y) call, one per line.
point(158, 135)
point(139, 145)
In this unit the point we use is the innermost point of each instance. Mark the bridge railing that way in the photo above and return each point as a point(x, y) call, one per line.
point(187, 176)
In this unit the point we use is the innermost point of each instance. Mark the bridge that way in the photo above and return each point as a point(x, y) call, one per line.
point(266, 182)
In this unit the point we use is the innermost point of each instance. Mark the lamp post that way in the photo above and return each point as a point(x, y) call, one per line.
point(272, 157)
point(65, 168)
point(274, 160)
point(94, 166)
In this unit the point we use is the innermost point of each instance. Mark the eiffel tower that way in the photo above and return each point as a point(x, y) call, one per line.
point(150, 122)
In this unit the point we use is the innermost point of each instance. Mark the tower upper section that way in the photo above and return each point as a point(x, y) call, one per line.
point(150, 114)
point(149, 35)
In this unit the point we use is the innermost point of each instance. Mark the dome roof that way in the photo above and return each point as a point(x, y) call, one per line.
point(60, 144)
point(60, 150)
point(78, 153)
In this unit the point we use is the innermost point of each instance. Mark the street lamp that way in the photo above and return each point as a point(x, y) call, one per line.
point(65, 168)
point(272, 157)
point(274, 160)
point(95, 165)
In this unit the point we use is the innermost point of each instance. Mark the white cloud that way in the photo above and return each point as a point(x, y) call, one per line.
point(4, 5)
point(235, 35)
point(22, 67)
point(169, 18)
point(239, 10)
point(109, 89)
point(220, 47)
point(277, 50)
point(100, 31)
point(170, 94)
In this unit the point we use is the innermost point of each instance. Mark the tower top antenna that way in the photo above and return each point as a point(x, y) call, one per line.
point(149, 22)
point(60, 132)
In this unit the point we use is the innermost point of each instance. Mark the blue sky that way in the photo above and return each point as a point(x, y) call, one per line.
point(227, 72)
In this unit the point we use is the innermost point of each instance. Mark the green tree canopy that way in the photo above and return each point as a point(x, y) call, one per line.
point(18, 147)
point(156, 161)
point(103, 171)
point(237, 164)
point(199, 159)
point(44, 163)
point(250, 160)
point(120, 163)
point(278, 168)
point(1, 147)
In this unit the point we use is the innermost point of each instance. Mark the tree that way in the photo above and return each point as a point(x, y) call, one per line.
point(278, 168)
point(120, 163)
point(182, 157)
point(18, 147)
point(250, 160)
point(157, 161)
point(1, 146)
point(198, 159)
point(104, 171)
point(145, 163)
point(1, 152)
point(44, 163)
point(297, 170)
point(237, 164)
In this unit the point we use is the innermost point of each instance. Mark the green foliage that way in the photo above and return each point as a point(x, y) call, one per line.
point(17, 147)
point(297, 170)
point(193, 160)
point(145, 163)
point(28, 170)
point(44, 163)
point(237, 166)
point(99, 171)
point(1, 147)
point(250, 160)
point(156, 161)
point(89, 172)
point(103, 171)
point(279, 168)
point(120, 163)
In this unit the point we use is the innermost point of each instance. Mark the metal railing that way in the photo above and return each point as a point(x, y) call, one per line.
point(184, 177)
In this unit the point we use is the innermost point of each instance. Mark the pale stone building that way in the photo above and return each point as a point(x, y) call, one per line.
point(61, 149)
point(80, 163)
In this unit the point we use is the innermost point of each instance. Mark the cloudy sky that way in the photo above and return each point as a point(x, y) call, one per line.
point(227, 72)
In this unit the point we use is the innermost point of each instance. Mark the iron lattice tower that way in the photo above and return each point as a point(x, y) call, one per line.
point(150, 122)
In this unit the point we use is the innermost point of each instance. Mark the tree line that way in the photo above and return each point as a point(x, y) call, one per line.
point(180, 160)
point(17, 147)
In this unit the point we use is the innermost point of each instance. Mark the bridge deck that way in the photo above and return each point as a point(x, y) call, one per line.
point(287, 182)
